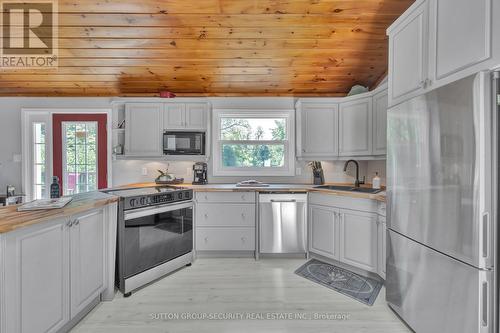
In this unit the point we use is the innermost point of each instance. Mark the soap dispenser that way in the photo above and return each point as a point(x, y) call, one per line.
point(376, 181)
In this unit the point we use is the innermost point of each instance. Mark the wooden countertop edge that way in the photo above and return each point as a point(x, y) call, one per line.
point(29, 218)
point(294, 188)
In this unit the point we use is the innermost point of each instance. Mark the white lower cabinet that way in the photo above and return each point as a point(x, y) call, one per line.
point(358, 239)
point(382, 246)
point(36, 280)
point(225, 239)
point(347, 230)
point(52, 271)
point(225, 221)
point(87, 260)
point(323, 231)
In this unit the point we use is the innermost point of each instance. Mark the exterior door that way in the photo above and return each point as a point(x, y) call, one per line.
point(80, 152)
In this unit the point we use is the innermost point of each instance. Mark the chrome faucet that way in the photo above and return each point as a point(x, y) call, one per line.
point(357, 182)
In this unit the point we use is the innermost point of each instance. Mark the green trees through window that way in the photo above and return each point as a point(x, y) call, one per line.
point(252, 142)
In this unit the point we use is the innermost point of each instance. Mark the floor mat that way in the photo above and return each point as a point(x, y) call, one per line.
point(359, 287)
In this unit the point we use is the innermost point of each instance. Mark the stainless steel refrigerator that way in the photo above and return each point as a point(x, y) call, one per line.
point(442, 211)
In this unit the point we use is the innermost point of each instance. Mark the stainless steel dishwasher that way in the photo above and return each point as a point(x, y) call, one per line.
point(282, 223)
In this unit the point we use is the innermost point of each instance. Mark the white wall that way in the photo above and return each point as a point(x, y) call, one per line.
point(128, 171)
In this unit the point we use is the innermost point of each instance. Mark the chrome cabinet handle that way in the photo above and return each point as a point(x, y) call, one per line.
point(206, 216)
point(243, 239)
point(243, 197)
point(243, 215)
point(206, 239)
point(76, 222)
point(69, 223)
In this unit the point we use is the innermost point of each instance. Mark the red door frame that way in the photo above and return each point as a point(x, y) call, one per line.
point(102, 144)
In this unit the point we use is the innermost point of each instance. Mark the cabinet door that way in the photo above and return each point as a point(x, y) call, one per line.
point(143, 134)
point(358, 239)
point(355, 127)
point(87, 249)
point(407, 56)
point(460, 34)
point(380, 105)
point(323, 231)
point(37, 278)
point(382, 230)
point(174, 116)
point(196, 116)
point(319, 130)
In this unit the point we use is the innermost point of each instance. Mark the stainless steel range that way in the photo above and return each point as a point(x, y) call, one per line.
point(155, 234)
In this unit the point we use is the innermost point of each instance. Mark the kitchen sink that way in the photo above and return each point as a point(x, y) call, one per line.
point(349, 189)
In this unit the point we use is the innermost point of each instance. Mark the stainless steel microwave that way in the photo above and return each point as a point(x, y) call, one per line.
point(183, 143)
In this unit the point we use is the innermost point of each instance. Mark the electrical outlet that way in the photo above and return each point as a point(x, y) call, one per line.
point(144, 171)
point(298, 171)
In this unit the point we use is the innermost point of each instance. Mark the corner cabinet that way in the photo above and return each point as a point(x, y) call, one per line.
point(338, 128)
point(143, 134)
point(55, 271)
point(355, 127)
point(318, 134)
point(408, 55)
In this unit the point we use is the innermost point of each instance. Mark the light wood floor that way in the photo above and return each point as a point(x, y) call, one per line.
point(214, 286)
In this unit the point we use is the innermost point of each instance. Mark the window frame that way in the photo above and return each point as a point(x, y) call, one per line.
point(289, 159)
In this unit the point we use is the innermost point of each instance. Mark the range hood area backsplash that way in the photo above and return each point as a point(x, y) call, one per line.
point(131, 171)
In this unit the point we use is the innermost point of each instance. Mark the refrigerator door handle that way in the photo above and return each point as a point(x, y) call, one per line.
point(485, 306)
point(485, 226)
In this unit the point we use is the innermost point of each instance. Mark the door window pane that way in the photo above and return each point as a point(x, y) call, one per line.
point(39, 167)
point(79, 157)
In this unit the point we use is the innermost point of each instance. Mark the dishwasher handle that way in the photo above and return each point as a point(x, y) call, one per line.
point(291, 200)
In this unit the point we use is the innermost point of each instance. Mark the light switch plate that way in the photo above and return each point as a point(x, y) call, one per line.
point(144, 171)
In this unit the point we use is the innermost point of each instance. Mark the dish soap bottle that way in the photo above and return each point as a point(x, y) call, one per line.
point(55, 189)
point(376, 181)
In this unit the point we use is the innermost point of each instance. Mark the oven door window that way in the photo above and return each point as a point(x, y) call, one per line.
point(155, 239)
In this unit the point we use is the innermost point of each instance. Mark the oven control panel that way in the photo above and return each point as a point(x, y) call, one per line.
point(157, 199)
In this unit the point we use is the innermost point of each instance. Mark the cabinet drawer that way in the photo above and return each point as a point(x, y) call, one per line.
point(338, 201)
point(225, 215)
point(225, 239)
point(237, 197)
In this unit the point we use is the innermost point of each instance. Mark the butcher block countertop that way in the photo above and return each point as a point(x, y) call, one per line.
point(272, 188)
point(11, 219)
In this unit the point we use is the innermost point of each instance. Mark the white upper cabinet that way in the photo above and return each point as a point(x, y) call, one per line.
point(190, 116)
point(407, 55)
point(436, 42)
point(143, 135)
point(460, 35)
point(380, 105)
point(87, 250)
point(196, 116)
point(355, 127)
point(174, 116)
point(318, 134)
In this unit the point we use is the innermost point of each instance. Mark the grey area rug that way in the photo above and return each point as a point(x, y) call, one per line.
point(361, 288)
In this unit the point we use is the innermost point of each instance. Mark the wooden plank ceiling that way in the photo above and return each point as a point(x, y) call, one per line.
point(213, 48)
